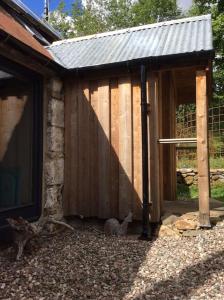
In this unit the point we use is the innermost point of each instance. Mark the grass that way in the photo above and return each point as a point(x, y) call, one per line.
point(215, 163)
point(191, 192)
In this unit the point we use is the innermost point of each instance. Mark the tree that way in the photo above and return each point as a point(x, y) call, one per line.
point(151, 11)
point(216, 8)
point(62, 21)
point(104, 15)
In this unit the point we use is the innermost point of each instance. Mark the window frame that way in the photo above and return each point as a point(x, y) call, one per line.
point(30, 211)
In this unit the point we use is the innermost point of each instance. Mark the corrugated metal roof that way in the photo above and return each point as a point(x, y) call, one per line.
point(161, 39)
point(10, 26)
point(21, 7)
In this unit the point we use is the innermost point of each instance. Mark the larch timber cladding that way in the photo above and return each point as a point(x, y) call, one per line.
point(103, 148)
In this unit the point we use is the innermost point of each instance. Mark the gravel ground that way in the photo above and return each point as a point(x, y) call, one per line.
point(88, 265)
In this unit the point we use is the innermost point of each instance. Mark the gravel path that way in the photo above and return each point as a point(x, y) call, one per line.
point(88, 265)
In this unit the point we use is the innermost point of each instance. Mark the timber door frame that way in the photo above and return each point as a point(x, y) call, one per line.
point(30, 211)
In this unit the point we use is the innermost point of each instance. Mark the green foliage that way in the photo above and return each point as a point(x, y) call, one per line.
point(60, 20)
point(146, 11)
point(105, 15)
point(216, 8)
point(191, 192)
point(118, 14)
point(87, 20)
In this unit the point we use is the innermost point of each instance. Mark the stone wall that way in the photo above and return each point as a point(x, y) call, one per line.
point(54, 151)
point(190, 176)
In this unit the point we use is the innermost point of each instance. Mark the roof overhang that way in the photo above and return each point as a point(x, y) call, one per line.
point(23, 10)
point(13, 29)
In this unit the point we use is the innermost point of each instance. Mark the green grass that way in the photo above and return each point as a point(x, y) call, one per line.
point(215, 163)
point(191, 192)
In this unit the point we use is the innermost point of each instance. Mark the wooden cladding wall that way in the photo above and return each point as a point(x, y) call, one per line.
point(103, 148)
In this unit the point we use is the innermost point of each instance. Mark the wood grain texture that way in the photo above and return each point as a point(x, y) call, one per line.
point(93, 149)
point(202, 147)
point(167, 125)
point(125, 147)
point(114, 151)
point(104, 148)
point(137, 150)
point(67, 191)
point(154, 171)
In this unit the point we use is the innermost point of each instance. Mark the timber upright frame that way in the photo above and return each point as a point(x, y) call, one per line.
point(202, 147)
point(202, 90)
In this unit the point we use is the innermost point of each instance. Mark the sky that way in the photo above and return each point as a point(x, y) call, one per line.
point(37, 6)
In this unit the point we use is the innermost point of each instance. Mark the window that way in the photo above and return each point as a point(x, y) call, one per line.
point(20, 142)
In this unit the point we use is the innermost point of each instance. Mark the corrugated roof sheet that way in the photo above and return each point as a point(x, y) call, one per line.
point(161, 39)
point(9, 25)
point(23, 8)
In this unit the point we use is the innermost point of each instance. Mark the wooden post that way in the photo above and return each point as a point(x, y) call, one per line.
point(154, 178)
point(202, 147)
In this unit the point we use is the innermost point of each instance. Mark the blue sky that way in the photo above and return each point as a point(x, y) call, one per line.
point(37, 6)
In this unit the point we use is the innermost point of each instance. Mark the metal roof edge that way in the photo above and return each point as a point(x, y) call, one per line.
point(206, 54)
point(131, 29)
point(33, 18)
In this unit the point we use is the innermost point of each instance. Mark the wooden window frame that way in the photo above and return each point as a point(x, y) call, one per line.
point(29, 211)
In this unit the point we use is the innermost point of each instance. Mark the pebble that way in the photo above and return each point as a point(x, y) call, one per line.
point(87, 265)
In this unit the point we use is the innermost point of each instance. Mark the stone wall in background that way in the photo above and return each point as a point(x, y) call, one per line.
point(54, 152)
point(190, 176)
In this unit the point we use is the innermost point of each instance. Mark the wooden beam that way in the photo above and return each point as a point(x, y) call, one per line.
point(154, 172)
point(26, 60)
point(202, 147)
point(177, 141)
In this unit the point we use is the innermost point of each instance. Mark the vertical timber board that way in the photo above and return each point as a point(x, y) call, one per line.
point(154, 178)
point(168, 116)
point(137, 150)
point(166, 133)
point(71, 148)
point(74, 155)
point(86, 102)
point(83, 157)
point(104, 148)
point(202, 147)
point(173, 176)
point(160, 110)
point(93, 150)
point(114, 157)
point(125, 147)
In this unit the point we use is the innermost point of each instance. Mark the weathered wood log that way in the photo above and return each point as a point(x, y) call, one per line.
point(24, 231)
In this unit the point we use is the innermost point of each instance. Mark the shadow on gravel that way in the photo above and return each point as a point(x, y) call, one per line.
point(81, 265)
point(189, 279)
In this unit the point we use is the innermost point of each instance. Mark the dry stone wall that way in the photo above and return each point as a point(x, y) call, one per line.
point(190, 176)
point(54, 153)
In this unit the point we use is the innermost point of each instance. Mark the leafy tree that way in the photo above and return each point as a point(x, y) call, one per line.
point(105, 15)
point(151, 11)
point(61, 21)
point(88, 19)
point(216, 8)
point(118, 14)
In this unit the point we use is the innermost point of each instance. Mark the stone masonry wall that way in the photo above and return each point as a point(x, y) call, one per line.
point(190, 176)
point(54, 152)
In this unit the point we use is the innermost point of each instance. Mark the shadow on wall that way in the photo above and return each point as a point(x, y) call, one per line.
point(103, 148)
point(16, 118)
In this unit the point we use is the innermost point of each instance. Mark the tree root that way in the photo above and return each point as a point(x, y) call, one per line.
point(23, 231)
